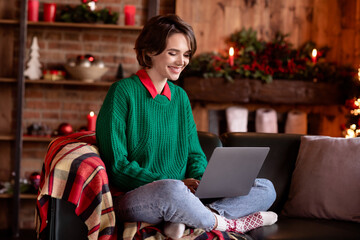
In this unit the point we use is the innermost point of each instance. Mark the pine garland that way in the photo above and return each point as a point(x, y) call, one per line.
point(83, 14)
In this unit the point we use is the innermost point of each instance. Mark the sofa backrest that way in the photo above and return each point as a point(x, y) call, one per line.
point(280, 162)
point(208, 142)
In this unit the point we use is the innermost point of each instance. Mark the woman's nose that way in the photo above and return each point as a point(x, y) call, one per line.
point(180, 61)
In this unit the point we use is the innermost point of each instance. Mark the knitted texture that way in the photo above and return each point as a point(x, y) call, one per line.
point(144, 139)
point(244, 224)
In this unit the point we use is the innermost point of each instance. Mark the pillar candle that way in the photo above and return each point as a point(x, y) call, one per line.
point(231, 56)
point(49, 12)
point(314, 55)
point(129, 11)
point(91, 118)
point(33, 10)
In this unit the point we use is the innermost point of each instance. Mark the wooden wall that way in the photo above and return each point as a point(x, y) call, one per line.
point(335, 23)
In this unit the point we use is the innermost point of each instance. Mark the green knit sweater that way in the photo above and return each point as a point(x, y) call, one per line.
point(143, 139)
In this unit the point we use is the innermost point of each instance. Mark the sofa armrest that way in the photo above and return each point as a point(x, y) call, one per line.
point(64, 223)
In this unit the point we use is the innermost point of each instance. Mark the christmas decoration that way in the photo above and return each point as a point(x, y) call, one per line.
point(35, 181)
point(352, 127)
point(276, 59)
point(83, 13)
point(84, 63)
point(86, 68)
point(91, 4)
point(65, 129)
point(33, 70)
point(98, 63)
point(38, 129)
point(53, 75)
point(129, 12)
point(91, 119)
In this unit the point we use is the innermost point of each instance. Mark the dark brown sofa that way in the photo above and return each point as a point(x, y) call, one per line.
point(278, 167)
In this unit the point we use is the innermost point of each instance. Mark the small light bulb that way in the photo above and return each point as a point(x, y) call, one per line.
point(231, 51)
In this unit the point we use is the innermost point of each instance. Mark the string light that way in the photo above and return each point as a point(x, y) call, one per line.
point(353, 131)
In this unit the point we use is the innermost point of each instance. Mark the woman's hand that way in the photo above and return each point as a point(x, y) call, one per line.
point(191, 183)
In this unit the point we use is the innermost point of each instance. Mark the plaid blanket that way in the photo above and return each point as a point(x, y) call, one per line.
point(74, 172)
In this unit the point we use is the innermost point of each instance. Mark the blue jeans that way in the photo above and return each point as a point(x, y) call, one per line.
point(171, 201)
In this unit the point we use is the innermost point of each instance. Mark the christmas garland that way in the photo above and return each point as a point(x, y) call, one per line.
point(83, 14)
point(276, 59)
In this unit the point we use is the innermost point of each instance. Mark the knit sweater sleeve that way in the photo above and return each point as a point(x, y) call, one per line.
point(111, 136)
point(196, 159)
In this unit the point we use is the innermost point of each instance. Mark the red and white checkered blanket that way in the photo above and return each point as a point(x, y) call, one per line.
point(74, 172)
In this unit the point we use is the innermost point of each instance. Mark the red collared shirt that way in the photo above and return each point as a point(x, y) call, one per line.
point(149, 85)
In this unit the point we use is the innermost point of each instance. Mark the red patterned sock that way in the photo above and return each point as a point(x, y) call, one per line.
point(246, 223)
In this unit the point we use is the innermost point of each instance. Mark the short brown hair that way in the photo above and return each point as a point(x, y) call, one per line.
point(154, 35)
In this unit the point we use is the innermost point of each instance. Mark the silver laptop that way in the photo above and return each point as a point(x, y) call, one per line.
point(231, 171)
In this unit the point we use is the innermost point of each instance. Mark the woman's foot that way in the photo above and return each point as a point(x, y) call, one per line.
point(174, 230)
point(246, 223)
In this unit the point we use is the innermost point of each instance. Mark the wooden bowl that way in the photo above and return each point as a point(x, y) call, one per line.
point(86, 74)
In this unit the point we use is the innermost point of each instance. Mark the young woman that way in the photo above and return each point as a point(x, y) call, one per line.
point(148, 141)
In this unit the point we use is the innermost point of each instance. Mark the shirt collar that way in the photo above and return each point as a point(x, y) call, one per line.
point(149, 85)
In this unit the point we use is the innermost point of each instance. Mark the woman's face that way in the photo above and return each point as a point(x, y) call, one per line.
point(170, 63)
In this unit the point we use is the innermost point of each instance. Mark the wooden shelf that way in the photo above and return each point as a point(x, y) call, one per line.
point(28, 196)
point(73, 25)
point(59, 82)
point(9, 80)
point(7, 137)
point(84, 25)
point(27, 138)
point(9, 21)
point(22, 196)
point(69, 82)
point(37, 139)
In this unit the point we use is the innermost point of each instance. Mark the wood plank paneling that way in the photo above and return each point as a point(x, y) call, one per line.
point(334, 23)
point(6, 9)
point(7, 42)
point(7, 109)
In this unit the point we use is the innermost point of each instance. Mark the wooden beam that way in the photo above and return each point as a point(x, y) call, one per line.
point(153, 8)
point(19, 116)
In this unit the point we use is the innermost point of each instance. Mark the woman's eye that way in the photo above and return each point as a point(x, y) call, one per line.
point(172, 53)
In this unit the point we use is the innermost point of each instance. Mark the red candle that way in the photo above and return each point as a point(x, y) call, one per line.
point(33, 10)
point(129, 11)
point(91, 118)
point(231, 56)
point(314, 55)
point(49, 12)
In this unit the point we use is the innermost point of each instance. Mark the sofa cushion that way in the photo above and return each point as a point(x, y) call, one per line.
point(325, 182)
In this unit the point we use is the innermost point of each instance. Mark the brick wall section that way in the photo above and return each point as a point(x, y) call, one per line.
point(55, 104)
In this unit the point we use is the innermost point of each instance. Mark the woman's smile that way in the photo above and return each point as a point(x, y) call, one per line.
point(170, 63)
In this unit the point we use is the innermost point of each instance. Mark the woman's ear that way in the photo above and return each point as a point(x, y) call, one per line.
point(150, 54)
point(148, 58)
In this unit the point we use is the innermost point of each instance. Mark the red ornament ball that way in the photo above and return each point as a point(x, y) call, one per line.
point(65, 129)
point(35, 180)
